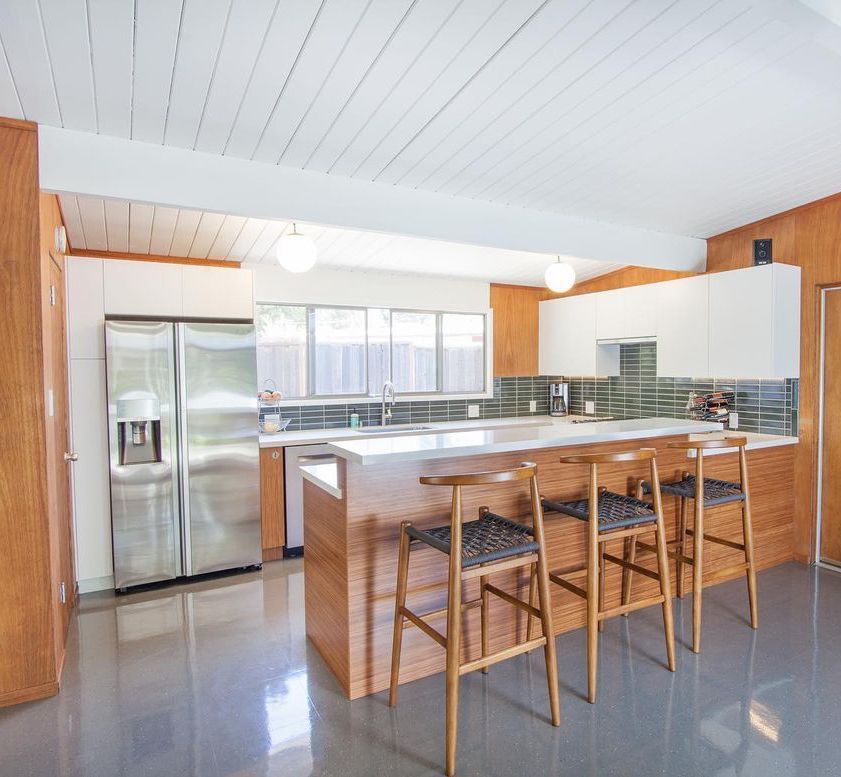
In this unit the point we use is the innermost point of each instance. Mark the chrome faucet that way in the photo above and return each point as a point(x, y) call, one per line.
point(388, 394)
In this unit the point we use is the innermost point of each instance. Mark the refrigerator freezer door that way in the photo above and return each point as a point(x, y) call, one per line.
point(219, 446)
point(140, 373)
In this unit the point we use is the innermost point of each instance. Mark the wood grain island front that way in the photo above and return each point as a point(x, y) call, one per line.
point(352, 516)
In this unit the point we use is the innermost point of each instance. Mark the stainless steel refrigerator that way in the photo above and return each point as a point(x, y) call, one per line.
point(183, 437)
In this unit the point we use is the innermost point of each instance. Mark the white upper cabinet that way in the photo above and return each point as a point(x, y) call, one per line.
point(85, 310)
point(682, 310)
point(755, 322)
point(135, 288)
point(217, 292)
point(627, 313)
point(567, 339)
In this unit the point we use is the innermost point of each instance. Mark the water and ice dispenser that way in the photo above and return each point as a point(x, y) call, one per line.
point(139, 430)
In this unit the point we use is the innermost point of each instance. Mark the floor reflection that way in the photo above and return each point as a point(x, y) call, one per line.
point(217, 678)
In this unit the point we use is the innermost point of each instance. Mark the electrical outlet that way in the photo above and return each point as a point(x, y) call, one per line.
point(533, 406)
point(733, 422)
point(473, 411)
point(590, 408)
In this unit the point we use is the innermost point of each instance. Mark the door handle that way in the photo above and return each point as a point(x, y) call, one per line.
point(71, 456)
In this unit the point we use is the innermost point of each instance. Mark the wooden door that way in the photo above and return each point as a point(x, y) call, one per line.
point(830, 540)
point(60, 439)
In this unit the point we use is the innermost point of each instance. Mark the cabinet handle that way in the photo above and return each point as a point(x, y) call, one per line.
point(71, 456)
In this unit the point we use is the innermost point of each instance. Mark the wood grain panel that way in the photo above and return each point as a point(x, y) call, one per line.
point(618, 279)
point(831, 492)
point(515, 328)
point(810, 237)
point(272, 503)
point(357, 550)
point(27, 656)
point(326, 572)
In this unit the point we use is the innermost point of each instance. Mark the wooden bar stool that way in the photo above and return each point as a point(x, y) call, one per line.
point(612, 516)
point(477, 549)
point(707, 493)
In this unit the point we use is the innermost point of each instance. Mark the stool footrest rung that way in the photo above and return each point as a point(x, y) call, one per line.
point(677, 555)
point(617, 534)
point(623, 608)
point(502, 655)
point(424, 627)
point(506, 597)
point(577, 590)
point(469, 605)
point(719, 540)
point(630, 565)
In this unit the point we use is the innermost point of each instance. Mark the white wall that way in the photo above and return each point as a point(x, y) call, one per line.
point(340, 287)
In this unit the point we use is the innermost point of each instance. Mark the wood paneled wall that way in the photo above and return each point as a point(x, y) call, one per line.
point(28, 660)
point(516, 314)
point(810, 237)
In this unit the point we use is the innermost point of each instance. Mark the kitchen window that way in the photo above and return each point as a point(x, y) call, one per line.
point(313, 351)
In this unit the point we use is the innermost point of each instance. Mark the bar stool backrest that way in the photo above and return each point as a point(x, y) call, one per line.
point(699, 446)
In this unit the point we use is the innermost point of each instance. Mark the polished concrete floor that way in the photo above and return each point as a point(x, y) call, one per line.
point(217, 678)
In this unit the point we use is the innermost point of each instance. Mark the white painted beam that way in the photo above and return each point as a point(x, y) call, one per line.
point(88, 164)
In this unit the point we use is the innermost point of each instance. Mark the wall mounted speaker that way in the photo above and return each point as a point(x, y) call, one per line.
point(762, 251)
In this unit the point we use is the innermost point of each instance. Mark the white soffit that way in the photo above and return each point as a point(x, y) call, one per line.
point(97, 224)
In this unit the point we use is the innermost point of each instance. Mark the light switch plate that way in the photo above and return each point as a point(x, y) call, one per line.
point(473, 411)
point(533, 406)
point(733, 423)
point(590, 408)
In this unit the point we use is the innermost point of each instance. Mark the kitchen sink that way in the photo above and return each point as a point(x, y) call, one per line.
point(393, 428)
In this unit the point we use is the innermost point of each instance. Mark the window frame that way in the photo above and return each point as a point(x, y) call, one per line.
point(311, 398)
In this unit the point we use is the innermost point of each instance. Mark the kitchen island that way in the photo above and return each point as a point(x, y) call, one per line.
point(353, 508)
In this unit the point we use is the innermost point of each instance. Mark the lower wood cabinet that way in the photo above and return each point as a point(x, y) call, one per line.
point(272, 503)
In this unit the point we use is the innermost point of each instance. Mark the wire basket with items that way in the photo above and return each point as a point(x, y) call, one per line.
point(710, 407)
point(269, 409)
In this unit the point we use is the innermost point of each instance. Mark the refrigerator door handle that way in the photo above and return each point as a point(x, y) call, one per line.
point(183, 451)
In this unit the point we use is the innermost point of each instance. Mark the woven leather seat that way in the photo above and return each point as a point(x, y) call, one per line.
point(716, 492)
point(616, 511)
point(490, 538)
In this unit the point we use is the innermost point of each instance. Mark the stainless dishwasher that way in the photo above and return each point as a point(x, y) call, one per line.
point(296, 455)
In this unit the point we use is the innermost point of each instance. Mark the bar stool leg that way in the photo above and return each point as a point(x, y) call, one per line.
point(593, 588)
point(681, 548)
point(602, 585)
point(631, 556)
point(698, 555)
point(663, 569)
point(747, 530)
point(483, 585)
point(542, 570)
point(400, 603)
point(532, 600)
point(453, 636)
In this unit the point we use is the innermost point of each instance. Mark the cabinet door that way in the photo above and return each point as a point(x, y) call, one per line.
point(639, 311)
point(682, 308)
point(740, 323)
point(567, 339)
point(218, 292)
point(85, 308)
point(610, 314)
point(135, 288)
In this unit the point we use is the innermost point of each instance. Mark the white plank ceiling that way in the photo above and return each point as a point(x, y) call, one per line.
point(684, 116)
point(110, 225)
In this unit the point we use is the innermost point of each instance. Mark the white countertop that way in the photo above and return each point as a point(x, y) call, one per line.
point(318, 436)
point(325, 475)
point(755, 441)
point(471, 442)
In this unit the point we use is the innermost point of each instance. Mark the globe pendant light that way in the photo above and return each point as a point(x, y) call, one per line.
point(296, 252)
point(560, 277)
